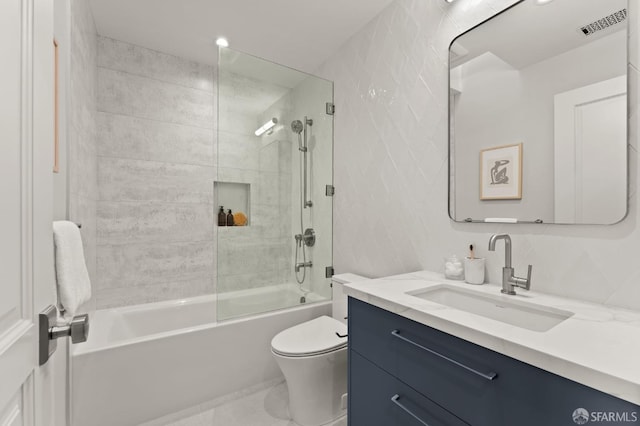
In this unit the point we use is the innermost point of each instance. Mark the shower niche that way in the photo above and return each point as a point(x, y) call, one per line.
point(233, 197)
point(274, 161)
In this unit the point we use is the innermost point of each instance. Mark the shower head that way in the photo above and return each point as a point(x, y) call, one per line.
point(297, 126)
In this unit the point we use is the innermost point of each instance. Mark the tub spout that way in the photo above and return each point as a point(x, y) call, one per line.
point(303, 265)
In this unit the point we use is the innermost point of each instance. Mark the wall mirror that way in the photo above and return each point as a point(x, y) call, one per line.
point(538, 115)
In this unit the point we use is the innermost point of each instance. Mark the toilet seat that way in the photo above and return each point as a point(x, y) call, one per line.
point(315, 337)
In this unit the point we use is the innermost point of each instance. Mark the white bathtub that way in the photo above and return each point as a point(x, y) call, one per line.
point(146, 361)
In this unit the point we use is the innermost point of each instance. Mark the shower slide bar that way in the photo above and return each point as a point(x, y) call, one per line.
point(307, 122)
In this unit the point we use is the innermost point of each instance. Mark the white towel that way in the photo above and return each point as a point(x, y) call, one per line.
point(74, 287)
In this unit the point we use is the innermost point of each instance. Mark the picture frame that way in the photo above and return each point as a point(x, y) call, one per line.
point(501, 173)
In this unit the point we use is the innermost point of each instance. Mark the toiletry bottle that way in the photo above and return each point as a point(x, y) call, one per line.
point(230, 218)
point(222, 218)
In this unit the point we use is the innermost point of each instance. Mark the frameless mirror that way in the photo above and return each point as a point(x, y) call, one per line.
point(538, 115)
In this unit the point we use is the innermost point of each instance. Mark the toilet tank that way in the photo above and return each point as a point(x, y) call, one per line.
point(339, 308)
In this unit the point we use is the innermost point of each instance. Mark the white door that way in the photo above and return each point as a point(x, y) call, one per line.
point(590, 144)
point(26, 255)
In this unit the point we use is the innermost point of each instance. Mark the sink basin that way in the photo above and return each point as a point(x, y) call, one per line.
point(516, 312)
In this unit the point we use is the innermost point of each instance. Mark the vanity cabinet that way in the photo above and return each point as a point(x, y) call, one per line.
point(405, 373)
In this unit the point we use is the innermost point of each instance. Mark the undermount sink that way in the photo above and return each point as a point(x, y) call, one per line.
point(516, 312)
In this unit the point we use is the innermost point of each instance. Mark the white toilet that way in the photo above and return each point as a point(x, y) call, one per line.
point(313, 359)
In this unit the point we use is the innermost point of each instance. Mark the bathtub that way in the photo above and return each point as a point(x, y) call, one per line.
point(146, 361)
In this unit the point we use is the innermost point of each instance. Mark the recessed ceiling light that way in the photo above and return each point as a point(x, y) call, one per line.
point(222, 42)
point(543, 1)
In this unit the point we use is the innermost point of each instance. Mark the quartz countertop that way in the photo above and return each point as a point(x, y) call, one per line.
point(598, 346)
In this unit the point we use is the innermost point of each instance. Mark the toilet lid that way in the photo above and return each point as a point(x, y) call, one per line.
point(311, 338)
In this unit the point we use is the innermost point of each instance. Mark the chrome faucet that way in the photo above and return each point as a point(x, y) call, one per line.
point(509, 281)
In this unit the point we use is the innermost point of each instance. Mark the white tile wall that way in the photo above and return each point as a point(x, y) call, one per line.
point(81, 129)
point(142, 97)
point(155, 130)
point(140, 139)
point(309, 99)
point(256, 255)
point(391, 165)
point(157, 160)
point(153, 64)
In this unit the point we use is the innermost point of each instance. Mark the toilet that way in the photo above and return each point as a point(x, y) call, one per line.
point(313, 359)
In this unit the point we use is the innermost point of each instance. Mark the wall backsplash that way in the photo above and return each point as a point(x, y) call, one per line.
point(391, 127)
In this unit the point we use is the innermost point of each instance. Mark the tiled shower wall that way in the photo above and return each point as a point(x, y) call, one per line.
point(81, 129)
point(391, 90)
point(156, 218)
point(309, 99)
point(155, 132)
point(258, 254)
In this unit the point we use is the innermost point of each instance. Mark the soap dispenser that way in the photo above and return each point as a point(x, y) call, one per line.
point(222, 218)
point(230, 219)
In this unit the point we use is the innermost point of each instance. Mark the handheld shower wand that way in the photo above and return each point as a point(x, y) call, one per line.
point(298, 128)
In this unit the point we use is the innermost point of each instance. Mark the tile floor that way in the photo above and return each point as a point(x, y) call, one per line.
point(262, 407)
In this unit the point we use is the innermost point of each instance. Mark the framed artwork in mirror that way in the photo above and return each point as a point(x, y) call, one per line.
point(501, 173)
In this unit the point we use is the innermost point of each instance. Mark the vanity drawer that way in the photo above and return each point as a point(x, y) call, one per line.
point(458, 375)
point(378, 399)
point(389, 341)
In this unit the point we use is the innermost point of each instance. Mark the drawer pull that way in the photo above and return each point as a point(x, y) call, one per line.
point(488, 376)
point(395, 398)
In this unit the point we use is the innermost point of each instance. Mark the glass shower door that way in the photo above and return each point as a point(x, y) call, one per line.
point(274, 162)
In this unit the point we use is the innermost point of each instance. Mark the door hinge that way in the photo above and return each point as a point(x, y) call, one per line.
point(331, 108)
point(328, 272)
point(330, 191)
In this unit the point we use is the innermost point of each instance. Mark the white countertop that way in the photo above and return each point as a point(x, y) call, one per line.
point(599, 346)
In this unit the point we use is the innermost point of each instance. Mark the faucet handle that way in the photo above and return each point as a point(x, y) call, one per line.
point(528, 283)
point(524, 283)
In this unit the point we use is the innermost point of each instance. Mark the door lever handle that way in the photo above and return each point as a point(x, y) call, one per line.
point(77, 329)
point(49, 332)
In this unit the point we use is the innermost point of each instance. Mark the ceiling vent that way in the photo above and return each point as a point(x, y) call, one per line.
point(604, 23)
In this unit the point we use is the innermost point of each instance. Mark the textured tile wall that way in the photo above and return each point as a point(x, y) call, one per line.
point(81, 131)
point(259, 254)
point(391, 165)
point(155, 171)
point(309, 99)
point(157, 160)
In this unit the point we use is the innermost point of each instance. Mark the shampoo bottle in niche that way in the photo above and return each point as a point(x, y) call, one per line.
point(229, 218)
point(222, 218)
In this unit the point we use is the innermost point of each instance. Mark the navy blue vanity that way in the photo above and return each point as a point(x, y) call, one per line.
point(403, 373)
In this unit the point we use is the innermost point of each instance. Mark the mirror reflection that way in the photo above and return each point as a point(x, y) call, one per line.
point(538, 115)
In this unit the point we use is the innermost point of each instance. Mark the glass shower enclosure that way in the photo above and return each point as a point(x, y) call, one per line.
point(272, 191)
